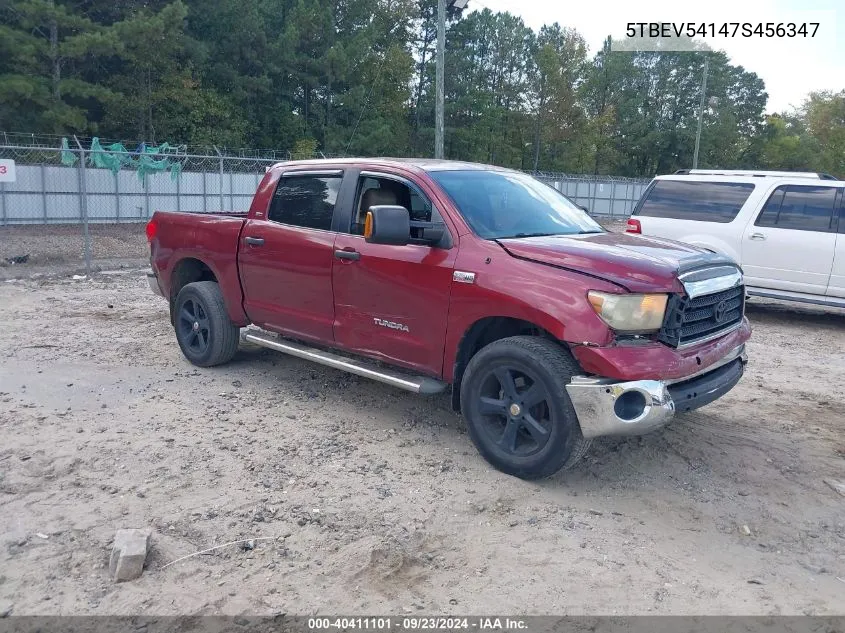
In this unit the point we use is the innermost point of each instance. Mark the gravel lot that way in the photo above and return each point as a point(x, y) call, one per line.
point(371, 500)
point(62, 246)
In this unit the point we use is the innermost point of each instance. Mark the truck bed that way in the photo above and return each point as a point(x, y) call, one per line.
point(211, 239)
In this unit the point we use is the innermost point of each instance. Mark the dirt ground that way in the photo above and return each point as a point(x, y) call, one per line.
point(364, 499)
point(43, 246)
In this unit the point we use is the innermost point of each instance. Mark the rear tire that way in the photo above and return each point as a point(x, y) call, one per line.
point(519, 415)
point(204, 331)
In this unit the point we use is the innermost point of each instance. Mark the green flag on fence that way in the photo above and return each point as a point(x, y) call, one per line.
point(68, 157)
point(115, 157)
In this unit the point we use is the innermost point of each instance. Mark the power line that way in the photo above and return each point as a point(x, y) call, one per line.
point(373, 85)
point(366, 102)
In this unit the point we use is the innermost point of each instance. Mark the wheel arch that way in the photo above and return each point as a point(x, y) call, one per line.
point(188, 270)
point(483, 332)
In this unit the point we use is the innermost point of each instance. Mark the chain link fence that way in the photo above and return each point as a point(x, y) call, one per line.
point(66, 189)
point(67, 203)
point(603, 196)
point(62, 207)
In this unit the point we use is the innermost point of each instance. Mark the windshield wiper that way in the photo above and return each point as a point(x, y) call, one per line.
point(532, 235)
point(543, 234)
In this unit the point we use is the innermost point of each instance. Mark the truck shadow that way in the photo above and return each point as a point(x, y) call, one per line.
point(696, 453)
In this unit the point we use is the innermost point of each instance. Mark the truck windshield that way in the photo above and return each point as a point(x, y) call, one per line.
point(507, 204)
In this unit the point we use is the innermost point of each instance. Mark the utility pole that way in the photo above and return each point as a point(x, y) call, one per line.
point(441, 45)
point(700, 112)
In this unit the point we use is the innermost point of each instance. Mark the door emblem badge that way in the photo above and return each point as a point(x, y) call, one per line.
point(391, 324)
point(463, 277)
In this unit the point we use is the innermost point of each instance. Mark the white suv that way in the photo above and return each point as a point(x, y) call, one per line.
point(786, 229)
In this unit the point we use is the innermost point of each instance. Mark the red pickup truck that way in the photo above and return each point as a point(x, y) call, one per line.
point(426, 274)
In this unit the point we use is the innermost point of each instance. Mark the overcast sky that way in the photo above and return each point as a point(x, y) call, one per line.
point(791, 68)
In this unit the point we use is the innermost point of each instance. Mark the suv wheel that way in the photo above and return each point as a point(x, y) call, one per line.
point(520, 418)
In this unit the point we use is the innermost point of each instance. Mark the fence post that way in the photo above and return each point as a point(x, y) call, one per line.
point(612, 196)
point(83, 205)
point(221, 177)
point(117, 196)
point(3, 203)
point(43, 171)
point(179, 192)
point(147, 196)
point(231, 193)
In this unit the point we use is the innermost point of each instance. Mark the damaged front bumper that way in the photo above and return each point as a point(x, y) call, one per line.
point(605, 406)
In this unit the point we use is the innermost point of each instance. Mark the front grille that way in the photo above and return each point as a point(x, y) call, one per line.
point(690, 320)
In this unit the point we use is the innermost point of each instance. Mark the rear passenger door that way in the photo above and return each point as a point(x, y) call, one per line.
point(790, 243)
point(285, 261)
point(836, 286)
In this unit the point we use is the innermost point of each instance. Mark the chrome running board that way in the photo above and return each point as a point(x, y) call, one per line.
point(408, 382)
point(801, 297)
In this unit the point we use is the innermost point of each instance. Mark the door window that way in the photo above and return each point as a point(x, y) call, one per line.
point(800, 207)
point(374, 191)
point(306, 201)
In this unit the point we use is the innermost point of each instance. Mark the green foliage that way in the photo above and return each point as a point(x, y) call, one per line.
point(824, 114)
point(357, 77)
point(304, 148)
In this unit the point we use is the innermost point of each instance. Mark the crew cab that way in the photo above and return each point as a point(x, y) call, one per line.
point(432, 275)
point(786, 229)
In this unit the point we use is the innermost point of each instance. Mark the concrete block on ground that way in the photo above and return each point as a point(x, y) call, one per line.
point(129, 553)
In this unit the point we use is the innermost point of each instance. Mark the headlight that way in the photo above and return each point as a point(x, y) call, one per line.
point(629, 313)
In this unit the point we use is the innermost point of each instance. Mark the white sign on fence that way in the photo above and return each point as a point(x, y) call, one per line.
point(7, 170)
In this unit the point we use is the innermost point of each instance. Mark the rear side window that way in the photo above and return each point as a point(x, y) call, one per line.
point(695, 200)
point(799, 207)
point(306, 201)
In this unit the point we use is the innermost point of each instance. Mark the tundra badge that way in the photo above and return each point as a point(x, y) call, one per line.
point(463, 277)
point(391, 325)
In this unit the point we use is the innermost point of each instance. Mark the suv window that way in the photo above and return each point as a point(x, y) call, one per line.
point(306, 201)
point(799, 207)
point(695, 200)
point(373, 191)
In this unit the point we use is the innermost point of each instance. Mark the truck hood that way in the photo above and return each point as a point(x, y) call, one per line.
point(639, 264)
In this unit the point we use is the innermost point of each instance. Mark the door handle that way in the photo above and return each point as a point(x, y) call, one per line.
point(347, 255)
point(254, 241)
point(756, 236)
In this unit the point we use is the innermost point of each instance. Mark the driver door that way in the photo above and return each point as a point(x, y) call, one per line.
point(392, 302)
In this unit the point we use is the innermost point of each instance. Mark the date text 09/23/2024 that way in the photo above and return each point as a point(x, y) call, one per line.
point(386, 623)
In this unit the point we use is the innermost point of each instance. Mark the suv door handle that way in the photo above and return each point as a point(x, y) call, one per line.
point(756, 236)
point(347, 254)
point(254, 241)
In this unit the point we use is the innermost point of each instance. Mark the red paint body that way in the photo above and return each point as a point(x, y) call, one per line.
point(294, 284)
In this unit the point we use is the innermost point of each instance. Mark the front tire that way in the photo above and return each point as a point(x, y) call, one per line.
point(204, 331)
point(519, 415)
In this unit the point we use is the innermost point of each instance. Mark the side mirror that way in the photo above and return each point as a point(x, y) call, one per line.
point(388, 224)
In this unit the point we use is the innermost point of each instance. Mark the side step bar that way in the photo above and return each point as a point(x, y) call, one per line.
point(801, 297)
point(408, 382)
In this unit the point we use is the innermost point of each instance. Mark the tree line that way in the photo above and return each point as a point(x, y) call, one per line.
point(356, 77)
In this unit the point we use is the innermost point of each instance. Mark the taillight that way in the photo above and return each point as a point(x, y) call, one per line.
point(634, 226)
point(152, 230)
